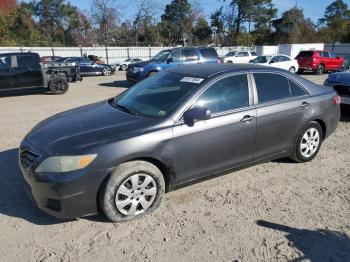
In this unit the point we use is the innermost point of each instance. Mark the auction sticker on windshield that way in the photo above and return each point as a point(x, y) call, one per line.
point(194, 80)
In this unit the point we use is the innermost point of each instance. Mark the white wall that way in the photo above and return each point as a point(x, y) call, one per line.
point(267, 50)
point(114, 54)
point(293, 50)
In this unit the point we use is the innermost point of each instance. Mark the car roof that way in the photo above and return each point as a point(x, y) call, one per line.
point(209, 70)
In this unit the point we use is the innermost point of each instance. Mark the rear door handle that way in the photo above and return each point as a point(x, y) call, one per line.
point(247, 118)
point(304, 104)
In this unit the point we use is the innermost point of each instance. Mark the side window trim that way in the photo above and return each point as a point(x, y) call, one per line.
point(227, 112)
point(277, 101)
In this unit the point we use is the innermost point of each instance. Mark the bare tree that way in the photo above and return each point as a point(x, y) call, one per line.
point(104, 15)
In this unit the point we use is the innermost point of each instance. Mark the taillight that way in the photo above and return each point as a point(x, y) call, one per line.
point(336, 100)
point(219, 61)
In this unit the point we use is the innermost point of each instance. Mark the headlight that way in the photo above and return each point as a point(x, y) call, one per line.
point(60, 164)
point(137, 69)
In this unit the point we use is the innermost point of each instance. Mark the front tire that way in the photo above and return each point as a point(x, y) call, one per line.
point(308, 143)
point(107, 71)
point(58, 86)
point(134, 189)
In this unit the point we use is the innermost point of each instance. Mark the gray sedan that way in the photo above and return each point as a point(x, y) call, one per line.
point(183, 124)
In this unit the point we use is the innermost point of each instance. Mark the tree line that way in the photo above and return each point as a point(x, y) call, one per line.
point(236, 22)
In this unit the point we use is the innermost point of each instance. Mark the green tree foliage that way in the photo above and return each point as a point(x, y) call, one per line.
point(293, 27)
point(59, 20)
point(202, 32)
point(335, 25)
point(174, 20)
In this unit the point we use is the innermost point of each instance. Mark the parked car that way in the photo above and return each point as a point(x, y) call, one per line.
point(184, 124)
point(49, 59)
point(279, 61)
point(88, 67)
point(239, 56)
point(125, 64)
point(24, 70)
point(341, 84)
point(319, 61)
point(171, 58)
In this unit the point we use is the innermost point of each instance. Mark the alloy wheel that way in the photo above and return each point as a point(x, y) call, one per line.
point(310, 142)
point(107, 71)
point(136, 194)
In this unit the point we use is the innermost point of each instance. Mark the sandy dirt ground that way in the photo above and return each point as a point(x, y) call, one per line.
point(277, 211)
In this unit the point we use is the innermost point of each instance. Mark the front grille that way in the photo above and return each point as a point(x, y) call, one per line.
point(342, 90)
point(27, 158)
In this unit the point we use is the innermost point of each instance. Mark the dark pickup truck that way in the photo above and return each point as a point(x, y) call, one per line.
point(24, 70)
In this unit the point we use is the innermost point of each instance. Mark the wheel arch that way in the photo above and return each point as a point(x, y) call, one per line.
point(323, 126)
point(164, 169)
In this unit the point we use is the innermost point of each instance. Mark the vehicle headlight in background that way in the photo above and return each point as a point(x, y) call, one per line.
point(137, 69)
point(60, 164)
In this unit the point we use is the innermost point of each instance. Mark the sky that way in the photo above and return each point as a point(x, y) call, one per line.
point(313, 9)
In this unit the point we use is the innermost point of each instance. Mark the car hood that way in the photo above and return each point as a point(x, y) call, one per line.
point(72, 131)
point(342, 78)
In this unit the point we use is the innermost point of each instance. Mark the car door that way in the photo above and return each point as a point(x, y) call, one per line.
point(242, 57)
point(189, 56)
point(225, 140)
point(6, 73)
point(89, 67)
point(281, 106)
point(28, 71)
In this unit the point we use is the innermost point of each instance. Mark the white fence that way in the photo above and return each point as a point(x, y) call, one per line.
point(109, 54)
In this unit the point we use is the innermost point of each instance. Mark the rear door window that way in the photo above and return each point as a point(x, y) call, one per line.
point(5, 61)
point(305, 54)
point(253, 53)
point(226, 94)
point(208, 53)
point(296, 90)
point(242, 54)
point(271, 87)
point(189, 55)
point(25, 60)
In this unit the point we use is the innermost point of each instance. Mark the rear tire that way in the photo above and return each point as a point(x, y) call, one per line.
point(134, 189)
point(292, 70)
point(320, 70)
point(124, 67)
point(229, 62)
point(308, 143)
point(58, 86)
point(300, 71)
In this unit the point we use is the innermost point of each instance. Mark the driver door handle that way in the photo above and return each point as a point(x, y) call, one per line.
point(247, 118)
point(304, 104)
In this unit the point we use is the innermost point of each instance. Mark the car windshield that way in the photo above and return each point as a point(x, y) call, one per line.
point(156, 96)
point(261, 59)
point(162, 55)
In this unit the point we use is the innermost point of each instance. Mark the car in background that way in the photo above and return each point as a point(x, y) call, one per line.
point(49, 59)
point(279, 61)
point(125, 64)
point(88, 67)
point(185, 124)
point(319, 61)
point(340, 82)
point(172, 58)
point(239, 57)
point(25, 71)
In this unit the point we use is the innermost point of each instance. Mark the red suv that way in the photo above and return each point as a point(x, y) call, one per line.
point(318, 61)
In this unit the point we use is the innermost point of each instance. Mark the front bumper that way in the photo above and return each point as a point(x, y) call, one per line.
point(134, 77)
point(63, 195)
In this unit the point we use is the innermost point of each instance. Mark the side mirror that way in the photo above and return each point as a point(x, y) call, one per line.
point(170, 60)
point(196, 113)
